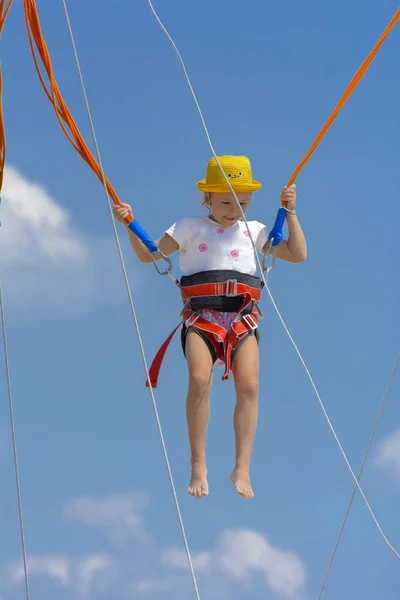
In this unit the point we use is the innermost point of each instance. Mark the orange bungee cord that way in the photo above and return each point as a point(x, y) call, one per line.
point(348, 92)
point(66, 120)
point(276, 235)
point(40, 51)
point(4, 9)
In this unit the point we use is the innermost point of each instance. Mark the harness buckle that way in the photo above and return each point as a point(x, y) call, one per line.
point(231, 288)
point(250, 321)
point(270, 251)
point(185, 307)
point(192, 319)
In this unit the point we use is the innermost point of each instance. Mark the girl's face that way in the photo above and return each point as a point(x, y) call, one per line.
point(224, 208)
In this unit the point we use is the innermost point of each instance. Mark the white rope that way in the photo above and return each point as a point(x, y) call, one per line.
point(269, 292)
point(164, 448)
point(14, 443)
point(12, 425)
point(359, 474)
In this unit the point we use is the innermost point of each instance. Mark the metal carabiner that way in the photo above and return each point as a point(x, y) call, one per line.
point(267, 253)
point(167, 260)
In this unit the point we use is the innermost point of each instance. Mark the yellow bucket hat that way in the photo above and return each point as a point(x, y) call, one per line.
point(236, 168)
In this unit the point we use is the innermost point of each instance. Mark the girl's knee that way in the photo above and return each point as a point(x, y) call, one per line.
point(199, 380)
point(247, 389)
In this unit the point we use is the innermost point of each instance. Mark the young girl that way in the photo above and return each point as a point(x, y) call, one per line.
point(217, 248)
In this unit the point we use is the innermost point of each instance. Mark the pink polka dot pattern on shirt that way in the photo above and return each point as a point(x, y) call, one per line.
point(220, 230)
point(246, 233)
point(203, 248)
point(235, 253)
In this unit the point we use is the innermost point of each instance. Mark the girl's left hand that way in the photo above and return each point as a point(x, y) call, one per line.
point(288, 197)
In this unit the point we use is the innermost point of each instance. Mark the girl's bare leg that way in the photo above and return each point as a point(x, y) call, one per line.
point(245, 372)
point(198, 409)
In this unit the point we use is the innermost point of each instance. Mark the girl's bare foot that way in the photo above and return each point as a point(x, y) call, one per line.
point(198, 486)
point(241, 479)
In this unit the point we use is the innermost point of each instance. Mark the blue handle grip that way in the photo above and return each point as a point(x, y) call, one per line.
point(143, 236)
point(276, 231)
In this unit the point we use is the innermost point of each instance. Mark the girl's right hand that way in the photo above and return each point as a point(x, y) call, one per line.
point(121, 212)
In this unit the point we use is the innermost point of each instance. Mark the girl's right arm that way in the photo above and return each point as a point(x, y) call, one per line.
point(167, 244)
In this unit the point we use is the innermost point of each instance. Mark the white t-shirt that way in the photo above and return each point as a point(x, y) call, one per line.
point(205, 245)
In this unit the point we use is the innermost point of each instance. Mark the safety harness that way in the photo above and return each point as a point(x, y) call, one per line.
point(220, 290)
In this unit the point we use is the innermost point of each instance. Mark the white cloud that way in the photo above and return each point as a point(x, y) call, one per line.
point(388, 453)
point(175, 557)
point(243, 552)
point(144, 586)
point(35, 229)
point(44, 260)
point(148, 587)
point(240, 554)
point(242, 561)
point(78, 573)
point(89, 568)
point(118, 516)
point(56, 567)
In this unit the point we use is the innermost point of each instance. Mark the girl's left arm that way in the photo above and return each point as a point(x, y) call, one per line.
point(294, 249)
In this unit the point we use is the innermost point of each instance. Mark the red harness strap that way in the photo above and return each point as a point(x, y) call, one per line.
point(230, 337)
point(228, 288)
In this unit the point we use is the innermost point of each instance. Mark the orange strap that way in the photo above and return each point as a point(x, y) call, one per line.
point(223, 288)
point(4, 8)
point(68, 125)
point(349, 90)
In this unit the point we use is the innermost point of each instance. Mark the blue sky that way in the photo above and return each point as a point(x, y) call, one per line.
point(99, 516)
